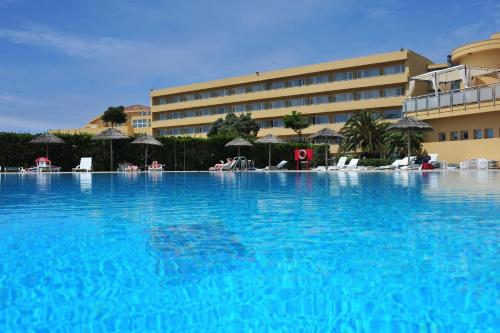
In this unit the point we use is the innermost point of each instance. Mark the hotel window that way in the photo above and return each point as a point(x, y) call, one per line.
point(278, 123)
point(138, 123)
point(345, 97)
point(317, 120)
point(321, 79)
point(341, 118)
point(279, 85)
point(392, 92)
point(368, 94)
point(365, 73)
point(464, 135)
point(396, 69)
point(320, 99)
point(454, 136)
point(277, 104)
point(478, 134)
point(295, 83)
point(488, 133)
point(392, 114)
point(239, 108)
point(297, 102)
point(442, 136)
point(342, 76)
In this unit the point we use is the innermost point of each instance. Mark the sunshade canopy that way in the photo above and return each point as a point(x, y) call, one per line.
point(110, 134)
point(447, 75)
point(47, 138)
point(271, 139)
point(238, 142)
point(411, 124)
point(147, 140)
point(326, 133)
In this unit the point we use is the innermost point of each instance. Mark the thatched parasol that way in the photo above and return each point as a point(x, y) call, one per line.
point(147, 140)
point(238, 142)
point(47, 139)
point(110, 134)
point(327, 135)
point(270, 139)
point(408, 125)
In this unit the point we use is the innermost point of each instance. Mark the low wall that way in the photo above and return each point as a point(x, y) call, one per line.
point(456, 151)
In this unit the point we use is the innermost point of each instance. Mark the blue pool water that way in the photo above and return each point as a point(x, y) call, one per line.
point(337, 252)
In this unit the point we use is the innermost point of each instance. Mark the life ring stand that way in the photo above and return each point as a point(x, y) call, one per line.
point(302, 154)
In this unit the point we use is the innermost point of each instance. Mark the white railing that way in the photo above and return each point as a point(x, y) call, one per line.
point(454, 98)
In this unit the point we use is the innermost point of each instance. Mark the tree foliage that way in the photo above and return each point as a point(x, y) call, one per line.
point(296, 122)
point(114, 115)
point(396, 143)
point(364, 131)
point(233, 126)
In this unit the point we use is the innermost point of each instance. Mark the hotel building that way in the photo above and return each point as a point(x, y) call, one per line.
point(465, 115)
point(327, 93)
point(138, 122)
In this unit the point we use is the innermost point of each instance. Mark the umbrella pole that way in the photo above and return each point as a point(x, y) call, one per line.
point(409, 148)
point(238, 151)
point(47, 150)
point(111, 155)
point(326, 156)
point(146, 159)
point(269, 155)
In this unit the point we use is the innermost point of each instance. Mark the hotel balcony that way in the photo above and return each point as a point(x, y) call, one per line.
point(484, 98)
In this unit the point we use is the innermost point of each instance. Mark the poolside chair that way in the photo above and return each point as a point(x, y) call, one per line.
point(155, 166)
point(482, 164)
point(319, 168)
point(85, 165)
point(229, 165)
point(392, 166)
point(280, 166)
point(353, 164)
point(340, 164)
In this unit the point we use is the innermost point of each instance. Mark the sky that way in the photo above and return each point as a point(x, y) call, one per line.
point(63, 62)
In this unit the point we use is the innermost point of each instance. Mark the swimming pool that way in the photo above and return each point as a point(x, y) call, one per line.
point(336, 252)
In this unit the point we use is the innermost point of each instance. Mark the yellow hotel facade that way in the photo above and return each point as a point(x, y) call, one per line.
point(465, 117)
point(327, 93)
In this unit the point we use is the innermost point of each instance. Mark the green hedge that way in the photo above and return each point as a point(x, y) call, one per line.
point(374, 162)
point(177, 153)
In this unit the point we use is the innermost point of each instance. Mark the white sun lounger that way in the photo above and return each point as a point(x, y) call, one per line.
point(340, 164)
point(353, 164)
point(85, 165)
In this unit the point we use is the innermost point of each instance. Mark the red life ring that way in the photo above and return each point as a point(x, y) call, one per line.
point(302, 154)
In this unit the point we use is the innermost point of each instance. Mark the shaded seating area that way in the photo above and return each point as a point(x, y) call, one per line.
point(43, 164)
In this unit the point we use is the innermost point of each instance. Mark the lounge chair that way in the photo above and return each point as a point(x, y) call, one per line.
point(155, 166)
point(392, 166)
point(127, 167)
point(85, 165)
point(353, 164)
point(340, 164)
point(280, 166)
point(229, 165)
point(12, 169)
point(319, 168)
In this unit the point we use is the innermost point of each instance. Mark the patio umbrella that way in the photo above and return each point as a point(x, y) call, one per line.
point(110, 134)
point(409, 125)
point(238, 142)
point(269, 139)
point(328, 135)
point(147, 140)
point(47, 139)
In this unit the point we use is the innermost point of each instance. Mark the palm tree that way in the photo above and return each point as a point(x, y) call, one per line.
point(364, 130)
point(114, 115)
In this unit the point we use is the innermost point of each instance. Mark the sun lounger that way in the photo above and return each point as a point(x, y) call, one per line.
point(353, 164)
point(155, 166)
point(319, 168)
point(340, 164)
point(12, 169)
point(280, 166)
point(85, 165)
point(127, 167)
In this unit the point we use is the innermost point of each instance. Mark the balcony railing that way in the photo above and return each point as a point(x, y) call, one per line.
point(455, 98)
